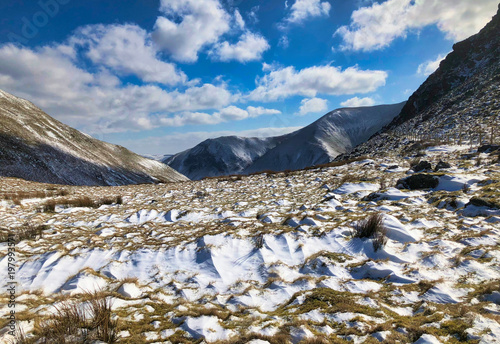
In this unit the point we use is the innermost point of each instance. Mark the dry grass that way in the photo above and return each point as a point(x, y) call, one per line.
point(81, 202)
point(17, 196)
point(79, 323)
point(28, 231)
point(372, 227)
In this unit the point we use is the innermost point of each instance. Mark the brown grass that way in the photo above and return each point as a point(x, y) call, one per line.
point(28, 231)
point(372, 227)
point(79, 323)
point(81, 202)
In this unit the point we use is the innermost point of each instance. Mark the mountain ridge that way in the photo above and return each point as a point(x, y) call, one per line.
point(461, 98)
point(318, 143)
point(37, 147)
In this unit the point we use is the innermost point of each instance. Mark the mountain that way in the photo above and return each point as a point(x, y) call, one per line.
point(35, 146)
point(320, 142)
point(461, 99)
point(221, 156)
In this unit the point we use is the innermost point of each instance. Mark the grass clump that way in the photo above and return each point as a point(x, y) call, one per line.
point(372, 227)
point(81, 202)
point(79, 323)
point(28, 231)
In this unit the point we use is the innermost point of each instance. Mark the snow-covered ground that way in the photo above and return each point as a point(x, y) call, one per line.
point(271, 257)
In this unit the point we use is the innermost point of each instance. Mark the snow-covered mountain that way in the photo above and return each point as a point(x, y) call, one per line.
point(320, 142)
point(221, 156)
point(35, 146)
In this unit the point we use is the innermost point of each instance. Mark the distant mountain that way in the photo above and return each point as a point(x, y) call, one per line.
point(221, 156)
point(35, 146)
point(460, 98)
point(320, 142)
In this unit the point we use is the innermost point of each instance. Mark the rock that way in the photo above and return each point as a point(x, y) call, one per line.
point(419, 182)
point(441, 164)
point(421, 166)
point(488, 148)
point(484, 202)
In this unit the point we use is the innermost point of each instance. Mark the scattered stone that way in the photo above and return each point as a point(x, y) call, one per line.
point(418, 182)
point(441, 165)
point(483, 202)
point(422, 166)
point(488, 148)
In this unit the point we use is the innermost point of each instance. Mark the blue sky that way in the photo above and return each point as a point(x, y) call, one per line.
point(159, 76)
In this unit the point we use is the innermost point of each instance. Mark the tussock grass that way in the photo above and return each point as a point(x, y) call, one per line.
point(79, 323)
point(28, 231)
point(372, 227)
point(17, 196)
point(81, 202)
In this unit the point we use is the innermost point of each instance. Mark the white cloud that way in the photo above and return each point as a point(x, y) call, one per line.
point(259, 111)
point(375, 27)
point(313, 105)
point(240, 23)
point(284, 42)
point(230, 113)
point(252, 15)
point(202, 23)
point(304, 9)
point(429, 67)
point(249, 48)
point(178, 142)
point(96, 102)
point(127, 50)
point(308, 82)
point(358, 102)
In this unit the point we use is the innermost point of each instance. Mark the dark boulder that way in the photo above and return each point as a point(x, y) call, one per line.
point(441, 164)
point(418, 182)
point(422, 166)
point(484, 202)
point(488, 148)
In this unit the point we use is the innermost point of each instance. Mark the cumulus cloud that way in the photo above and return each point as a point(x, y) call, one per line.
point(230, 113)
point(96, 102)
point(376, 26)
point(240, 22)
point(313, 105)
point(286, 82)
point(249, 48)
point(304, 9)
point(358, 102)
point(429, 67)
point(128, 50)
point(190, 25)
point(178, 142)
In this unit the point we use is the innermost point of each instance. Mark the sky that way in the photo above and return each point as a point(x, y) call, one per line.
point(160, 76)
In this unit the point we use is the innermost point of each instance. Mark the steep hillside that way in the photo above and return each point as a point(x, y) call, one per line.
point(221, 156)
point(35, 146)
point(460, 100)
point(331, 135)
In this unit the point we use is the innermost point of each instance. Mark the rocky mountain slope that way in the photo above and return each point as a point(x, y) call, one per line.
point(221, 156)
point(35, 146)
point(318, 143)
point(460, 100)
